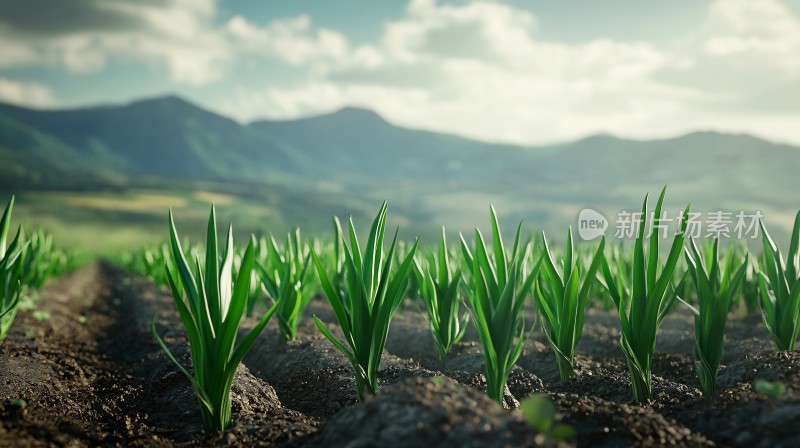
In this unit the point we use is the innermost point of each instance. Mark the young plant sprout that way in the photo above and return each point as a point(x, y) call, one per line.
point(287, 281)
point(40, 259)
point(779, 284)
point(152, 261)
point(372, 294)
point(561, 299)
point(540, 412)
point(214, 304)
point(10, 271)
point(751, 297)
point(439, 287)
point(336, 257)
point(716, 286)
point(619, 265)
point(644, 301)
point(416, 276)
point(331, 253)
point(260, 257)
point(497, 290)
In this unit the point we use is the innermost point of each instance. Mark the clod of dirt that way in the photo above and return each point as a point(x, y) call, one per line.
point(427, 412)
point(607, 423)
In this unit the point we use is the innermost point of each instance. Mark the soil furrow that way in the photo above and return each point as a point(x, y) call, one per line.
point(102, 380)
point(92, 375)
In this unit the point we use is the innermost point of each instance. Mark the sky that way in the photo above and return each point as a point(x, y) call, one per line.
point(527, 72)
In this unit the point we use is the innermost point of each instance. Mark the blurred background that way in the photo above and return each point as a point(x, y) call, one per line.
point(285, 114)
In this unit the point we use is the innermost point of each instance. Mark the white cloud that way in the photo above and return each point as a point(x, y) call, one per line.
point(290, 40)
point(178, 35)
point(175, 34)
point(26, 93)
point(478, 69)
point(754, 33)
point(15, 53)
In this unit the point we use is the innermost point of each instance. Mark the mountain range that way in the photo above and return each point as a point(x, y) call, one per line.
point(354, 156)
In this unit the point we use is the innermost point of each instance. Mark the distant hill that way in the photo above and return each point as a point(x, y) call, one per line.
point(356, 154)
point(166, 137)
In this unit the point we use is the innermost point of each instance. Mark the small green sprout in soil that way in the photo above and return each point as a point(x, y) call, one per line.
point(540, 413)
point(372, 294)
point(214, 304)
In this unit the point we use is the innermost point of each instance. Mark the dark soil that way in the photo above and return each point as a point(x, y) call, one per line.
point(92, 375)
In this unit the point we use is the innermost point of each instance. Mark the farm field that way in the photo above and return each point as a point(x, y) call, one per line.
point(108, 222)
point(405, 224)
point(92, 374)
point(85, 358)
point(105, 223)
point(85, 355)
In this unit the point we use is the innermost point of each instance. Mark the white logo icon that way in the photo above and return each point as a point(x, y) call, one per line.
point(591, 224)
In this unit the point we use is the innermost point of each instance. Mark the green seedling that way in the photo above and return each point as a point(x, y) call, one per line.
point(372, 294)
point(211, 311)
point(779, 284)
point(561, 298)
point(716, 287)
point(497, 290)
point(643, 299)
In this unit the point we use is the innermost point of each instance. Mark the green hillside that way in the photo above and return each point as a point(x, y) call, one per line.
point(346, 162)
